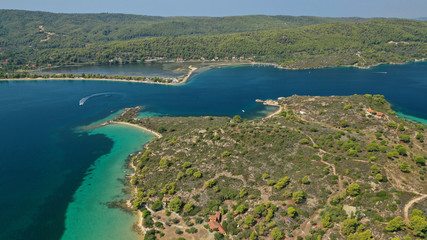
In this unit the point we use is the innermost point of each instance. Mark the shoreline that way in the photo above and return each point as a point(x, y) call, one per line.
point(138, 225)
point(139, 228)
point(187, 77)
point(183, 81)
point(132, 125)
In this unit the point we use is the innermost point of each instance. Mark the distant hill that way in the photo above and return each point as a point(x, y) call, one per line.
point(48, 39)
point(422, 19)
point(21, 28)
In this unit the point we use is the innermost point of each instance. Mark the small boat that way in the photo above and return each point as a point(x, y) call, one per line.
point(243, 110)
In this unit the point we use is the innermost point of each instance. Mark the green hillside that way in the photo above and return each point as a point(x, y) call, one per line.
point(46, 39)
point(21, 28)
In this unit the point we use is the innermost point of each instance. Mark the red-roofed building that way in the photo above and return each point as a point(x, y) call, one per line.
point(370, 111)
point(214, 222)
point(216, 225)
point(380, 114)
point(216, 217)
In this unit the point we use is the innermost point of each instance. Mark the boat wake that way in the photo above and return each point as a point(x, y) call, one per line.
point(83, 100)
point(381, 72)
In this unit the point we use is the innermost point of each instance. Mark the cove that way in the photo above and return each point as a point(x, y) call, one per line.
point(88, 216)
point(44, 162)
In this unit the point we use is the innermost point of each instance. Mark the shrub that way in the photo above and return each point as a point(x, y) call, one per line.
point(242, 208)
point(191, 230)
point(188, 207)
point(404, 167)
point(249, 221)
point(175, 205)
point(292, 212)
point(283, 182)
point(265, 176)
point(197, 174)
point(345, 124)
point(379, 177)
point(375, 169)
point(277, 234)
point(305, 180)
point(237, 119)
point(392, 124)
point(353, 189)
point(298, 196)
point(157, 206)
point(405, 138)
point(396, 224)
point(349, 226)
point(420, 160)
point(210, 183)
point(326, 221)
point(373, 147)
point(420, 137)
point(226, 154)
point(348, 106)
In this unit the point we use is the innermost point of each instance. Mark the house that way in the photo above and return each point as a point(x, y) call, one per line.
point(370, 111)
point(216, 217)
point(214, 222)
point(380, 114)
point(165, 199)
point(180, 59)
point(216, 225)
point(301, 112)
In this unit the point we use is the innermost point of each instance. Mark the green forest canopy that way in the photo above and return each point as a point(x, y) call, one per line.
point(293, 42)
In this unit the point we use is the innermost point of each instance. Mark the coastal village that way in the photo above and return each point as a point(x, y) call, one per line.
point(216, 183)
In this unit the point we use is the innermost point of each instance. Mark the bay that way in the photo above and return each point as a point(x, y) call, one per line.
point(45, 161)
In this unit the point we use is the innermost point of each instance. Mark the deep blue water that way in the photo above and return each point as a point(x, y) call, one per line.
point(43, 160)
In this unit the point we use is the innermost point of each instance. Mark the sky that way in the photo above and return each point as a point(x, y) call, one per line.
point(322, 8)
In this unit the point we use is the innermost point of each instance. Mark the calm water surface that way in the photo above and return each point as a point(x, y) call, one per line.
point(47, 167)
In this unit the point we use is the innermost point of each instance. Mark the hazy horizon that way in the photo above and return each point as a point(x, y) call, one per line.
point(220, 8)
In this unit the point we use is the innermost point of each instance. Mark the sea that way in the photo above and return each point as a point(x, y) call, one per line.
point(61, 180)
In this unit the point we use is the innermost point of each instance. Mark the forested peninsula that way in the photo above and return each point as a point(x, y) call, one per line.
point(319, 168)
point(33, 40)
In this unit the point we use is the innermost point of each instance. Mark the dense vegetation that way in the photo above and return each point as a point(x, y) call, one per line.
point(325, 167)
point(105, 38)
point(21, 28)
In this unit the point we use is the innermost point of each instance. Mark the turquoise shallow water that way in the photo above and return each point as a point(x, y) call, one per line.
point(88, 215)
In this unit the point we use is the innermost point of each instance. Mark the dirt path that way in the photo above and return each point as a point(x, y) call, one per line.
point(410, 203)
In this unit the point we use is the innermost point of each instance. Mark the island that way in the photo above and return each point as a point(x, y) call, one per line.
point(338, 167)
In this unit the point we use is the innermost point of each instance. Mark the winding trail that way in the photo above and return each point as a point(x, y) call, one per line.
point(410, 203)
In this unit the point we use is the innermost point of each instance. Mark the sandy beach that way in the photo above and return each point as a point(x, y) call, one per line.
point(134, 125)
